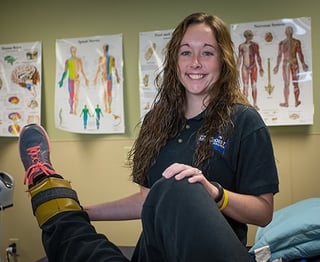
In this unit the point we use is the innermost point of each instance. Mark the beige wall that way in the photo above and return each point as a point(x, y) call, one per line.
point(95, 164)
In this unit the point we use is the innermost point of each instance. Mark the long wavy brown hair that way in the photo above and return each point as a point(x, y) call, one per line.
point(166, 116)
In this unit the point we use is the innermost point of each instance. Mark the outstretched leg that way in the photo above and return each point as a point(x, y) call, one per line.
point(67, 234)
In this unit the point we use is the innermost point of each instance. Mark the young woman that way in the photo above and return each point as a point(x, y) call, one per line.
point(203, 159)
point(203, 128)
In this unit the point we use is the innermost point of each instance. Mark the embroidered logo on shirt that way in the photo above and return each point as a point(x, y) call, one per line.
point(217, 142)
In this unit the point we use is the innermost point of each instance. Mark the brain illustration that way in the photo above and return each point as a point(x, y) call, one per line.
point(24, 74)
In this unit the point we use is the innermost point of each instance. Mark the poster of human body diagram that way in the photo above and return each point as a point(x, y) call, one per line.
point(274, 59)
point(20, 86)
point(89, 85)
point(151, 55)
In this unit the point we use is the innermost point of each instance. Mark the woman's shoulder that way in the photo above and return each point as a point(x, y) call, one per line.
point(244, 110)
point(246, 114)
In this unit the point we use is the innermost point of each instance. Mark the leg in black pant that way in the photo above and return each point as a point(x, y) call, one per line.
point(70, 237)
point(181, 223)
point(66, 231)
point(67, 234)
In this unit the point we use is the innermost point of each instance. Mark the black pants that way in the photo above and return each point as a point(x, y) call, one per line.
point(181, 223)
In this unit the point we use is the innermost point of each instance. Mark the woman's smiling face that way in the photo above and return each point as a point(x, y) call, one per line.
point(199, 64)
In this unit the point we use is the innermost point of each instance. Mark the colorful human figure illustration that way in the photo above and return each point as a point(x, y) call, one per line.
point(248, 58)
point(73, 66)
point(289, 50)
point(98, 114)
point(85, 113)
point(106, 68)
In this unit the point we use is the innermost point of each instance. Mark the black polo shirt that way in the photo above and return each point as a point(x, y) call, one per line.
point(243, 162)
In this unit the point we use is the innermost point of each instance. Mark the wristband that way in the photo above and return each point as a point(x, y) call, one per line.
point(225, 200)
point(220, 191)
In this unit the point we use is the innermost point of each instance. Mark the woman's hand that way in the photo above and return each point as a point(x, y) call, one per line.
point(193, 174)
point(181, 171)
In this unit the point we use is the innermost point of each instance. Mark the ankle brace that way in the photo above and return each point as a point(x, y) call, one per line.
point(51, 197)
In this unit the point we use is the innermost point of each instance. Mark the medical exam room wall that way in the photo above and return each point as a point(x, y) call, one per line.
point(95, 164)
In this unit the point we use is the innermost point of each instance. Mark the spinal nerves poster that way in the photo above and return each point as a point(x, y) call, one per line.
point(89, 85)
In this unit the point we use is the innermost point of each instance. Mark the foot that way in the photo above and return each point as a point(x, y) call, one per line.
point(298, 103)
point(284, 105)
point(35, 153)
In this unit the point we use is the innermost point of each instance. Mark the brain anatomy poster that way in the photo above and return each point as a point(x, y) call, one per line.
point(20, 86)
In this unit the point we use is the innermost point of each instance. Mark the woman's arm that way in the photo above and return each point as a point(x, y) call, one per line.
point(123, 209)
point(248, 209)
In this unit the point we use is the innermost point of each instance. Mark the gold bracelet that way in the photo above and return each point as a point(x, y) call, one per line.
point(225, 200)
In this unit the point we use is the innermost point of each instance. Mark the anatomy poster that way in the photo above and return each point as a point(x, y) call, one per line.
point(152, 47)
point(274, 59)
point(89, 85)
point(20, 86)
